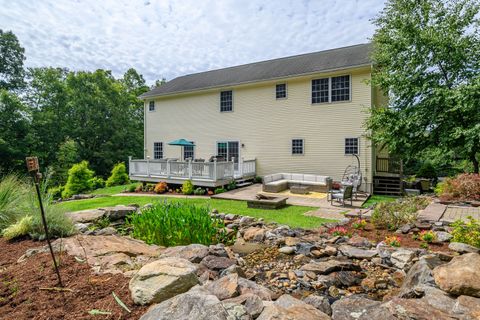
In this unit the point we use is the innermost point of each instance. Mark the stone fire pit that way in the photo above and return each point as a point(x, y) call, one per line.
point(267, 202)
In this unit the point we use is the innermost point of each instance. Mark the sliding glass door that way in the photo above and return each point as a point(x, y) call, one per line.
point(229, 149)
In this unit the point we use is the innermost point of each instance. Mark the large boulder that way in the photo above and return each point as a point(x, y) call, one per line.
point(254, 234)
point(118, 212)
point(420, 274)
point(193, 252)
point(85, 216)
point(252, 303)
point(236, 311)
point(319, 302)
point(463, 248)
point(196, 304)
point(461, 276)
point(249, 286)
point(289, 308)
point(353, 307)
point(110, 254)
point(162, 279)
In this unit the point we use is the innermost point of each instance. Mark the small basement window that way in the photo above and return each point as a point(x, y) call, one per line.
point(158, 150)
point(151, 106)
point(351, 145)
point(297, 146)
point(281, 91)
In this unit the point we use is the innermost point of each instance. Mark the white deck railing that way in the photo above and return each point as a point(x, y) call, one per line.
point(169, 169)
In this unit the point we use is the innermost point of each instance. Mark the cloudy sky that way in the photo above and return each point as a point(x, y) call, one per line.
point(168, 38)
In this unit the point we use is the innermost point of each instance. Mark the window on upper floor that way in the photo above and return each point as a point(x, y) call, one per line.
point(351, 145)
point(226, 101)
point(340, 88)
point(297, 146)
point(332, 89)
point(281, 91)
point(320, 90)
point(151, 106)
point(158, 150)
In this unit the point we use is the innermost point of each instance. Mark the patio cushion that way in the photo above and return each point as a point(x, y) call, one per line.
point(309, 177)
point(277, 176)
point(267, 179)
point(307, 183)
point(322, 179)
point(277, 182)
point(297, 176)
point(287, 176)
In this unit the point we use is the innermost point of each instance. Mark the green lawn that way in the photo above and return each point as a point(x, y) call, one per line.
point(290, 215)
point(378, 199)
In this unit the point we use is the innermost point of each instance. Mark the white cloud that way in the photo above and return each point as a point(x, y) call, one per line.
point(172, 38)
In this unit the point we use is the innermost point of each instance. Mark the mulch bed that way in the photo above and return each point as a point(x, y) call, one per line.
point(406, 240)
point(22, 298)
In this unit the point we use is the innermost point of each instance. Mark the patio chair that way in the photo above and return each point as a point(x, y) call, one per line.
point(342, 195)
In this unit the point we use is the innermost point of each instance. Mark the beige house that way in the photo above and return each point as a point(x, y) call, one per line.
point(299, 114)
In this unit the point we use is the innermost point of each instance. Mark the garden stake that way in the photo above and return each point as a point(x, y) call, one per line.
point(33, 168)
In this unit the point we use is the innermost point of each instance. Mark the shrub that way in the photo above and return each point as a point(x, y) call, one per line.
point(232, 185)
point(464, 187)
point(148, 187)
point(56, 192)
point(467, 232)
point(132, 188)
point(258, 179)
point(427, 236)
point(97, 183)
point(139, 188)
point(59, 225)
point(79, 180)
point(187, 187)
point(392, 241)
point(176, 223)
point(119, 176)
point(439, 189)
point(14, 200)
point(199, 191)
point(19, 229)
point(427, 170)
point(220, 190)
point(392, 215)
point(160, 187)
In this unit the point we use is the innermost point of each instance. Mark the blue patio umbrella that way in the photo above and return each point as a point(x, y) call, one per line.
point(182, 143)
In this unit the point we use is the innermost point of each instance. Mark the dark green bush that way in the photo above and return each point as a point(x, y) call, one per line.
point(56, 192)
point(232, 185)
point(119, 176)
point(187, 187)
point(220, 190)
point(258, 179)
point(97, 183)
point(427, 170)
point(79, 180)
point(199, 191)
point(177, 223)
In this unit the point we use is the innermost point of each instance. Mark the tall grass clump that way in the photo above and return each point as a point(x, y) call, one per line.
point(177, 223)
point(13, 200)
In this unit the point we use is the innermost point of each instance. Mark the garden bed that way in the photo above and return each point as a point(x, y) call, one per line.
point(22, 298)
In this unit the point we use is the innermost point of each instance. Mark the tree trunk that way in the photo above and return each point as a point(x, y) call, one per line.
point(475, 164)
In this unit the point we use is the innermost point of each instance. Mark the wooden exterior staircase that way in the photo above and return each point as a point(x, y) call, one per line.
point(388, 176)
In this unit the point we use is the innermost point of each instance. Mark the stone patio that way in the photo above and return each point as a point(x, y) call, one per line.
point(449, 213)
point(326, 210)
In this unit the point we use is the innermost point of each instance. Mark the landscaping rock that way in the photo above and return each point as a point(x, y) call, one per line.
point(236, 311)
point(196, 304)
point(353, 252)
point(443, 236)
point(468, 306)
point(353, 307)
point(108, 231)
point(358, 241)
point(162, 279)
point(330, 250)
point(328, 266)
point(225, 288)
point(291, 241)
point(289, 308)
point(85, 216)
point(82, 227)
point(243, 248)
point(402, 259)
point(193, 252)
point(463, 248)
point(419, 274)
point(460, 276)
point(217, 263)
point(248, 286)
point(217, 250)
point(319, 302)
point(254, 234)
point(253, 304)
point(303, 248)
point(118, 212)
point(231, 270)
point(287, 250)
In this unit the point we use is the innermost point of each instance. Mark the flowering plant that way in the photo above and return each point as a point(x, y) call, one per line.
point(338, 231)
point(393, 241)
point(427, 236)
point(359, 224)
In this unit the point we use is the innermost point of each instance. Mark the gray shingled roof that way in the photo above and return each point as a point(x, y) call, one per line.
point(333, 59)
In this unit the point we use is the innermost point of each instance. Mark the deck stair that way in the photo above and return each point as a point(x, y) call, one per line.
point(388, 185)
point(243, 182)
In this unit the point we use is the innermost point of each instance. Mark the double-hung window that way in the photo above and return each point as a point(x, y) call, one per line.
point(320, 90)
point(158, 150)
point(226, 101)
point(151, 106)
point(297, 146)
point(331, 89)
point(351, 146)
point(281, 91)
